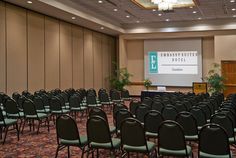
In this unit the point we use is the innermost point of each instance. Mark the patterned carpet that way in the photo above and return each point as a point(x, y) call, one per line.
point(44, 144)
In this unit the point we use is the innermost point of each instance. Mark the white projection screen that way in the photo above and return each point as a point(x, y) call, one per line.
point(173, 62)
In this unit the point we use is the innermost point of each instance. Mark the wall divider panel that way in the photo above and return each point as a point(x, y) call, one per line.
point(16, 49)
point(88, 59)
point(78, 57)
point(105, 58)
point(97, 55)
point(65, 56)
point(35, 51)
point(52, 77)
point(2, 48)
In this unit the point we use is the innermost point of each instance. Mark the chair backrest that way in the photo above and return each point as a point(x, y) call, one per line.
point(11, 107)
point(224, 121)
point(199, 115)
point(20, 102)
point(213, 139)
point(125, 93)
point(38, 102)
point(2, 120)
point(152, 121)
point(98, 130)
point(74, 101)
point(118, 107)
point(46, 99)
point(180, 107)
point(66, 128)
point(157, 105)
point(121, 115)
point(206, 109)
point(115, 95)
point(133, 106)
point(104, 97)
point(91, 99)
point(141, 111)
point(55, 104)
point(16, 96)
point(29, 108)
point(91, 91)
point(133, 133)
point(188, 122)
point(169, 112)
point(148, 101)
point(98, 112)
point(171, 136)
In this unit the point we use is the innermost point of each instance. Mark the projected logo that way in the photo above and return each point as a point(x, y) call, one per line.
point(153, 62)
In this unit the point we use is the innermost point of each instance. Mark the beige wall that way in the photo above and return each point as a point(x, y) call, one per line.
point(40, 52)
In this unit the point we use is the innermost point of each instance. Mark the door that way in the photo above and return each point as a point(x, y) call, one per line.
point(228, 69)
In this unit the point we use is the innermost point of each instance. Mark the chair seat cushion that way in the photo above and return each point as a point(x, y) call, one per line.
point(112, 129)
point(64, 111)
point(106, 103)
point(231, 140)
point(40, 116)
point(94, 105)
point(20, 114)
point(8, 122)
point(115, 141)
point(191, 138)
point(79, 108)
point(168, 152)
point(151, 135)
point(44, 111)
point(202, 154)
point(150, 145)
point(83, 139)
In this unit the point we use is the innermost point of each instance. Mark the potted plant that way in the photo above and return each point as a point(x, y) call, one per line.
point(147, 83)
point(215, 80)
point(121, 79)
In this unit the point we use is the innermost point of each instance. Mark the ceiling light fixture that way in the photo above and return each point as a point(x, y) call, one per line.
point(115, 9)
point(102, 28)
point(137, 21)
point(164, 4)
point(233, 9)
point(159, 14)
point(232, 1)
point(100, 1)
point(127, 16)
point(194, 12)
point(154, 10)
point(234, 16)
point(167, 19)
point(199, 18)
point(29, 2)
point(73, 18)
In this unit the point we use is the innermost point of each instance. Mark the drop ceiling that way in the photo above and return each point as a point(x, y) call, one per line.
point(123, 16)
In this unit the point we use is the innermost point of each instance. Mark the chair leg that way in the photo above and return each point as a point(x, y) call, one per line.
point(38, 126)
point(97, 153)
point(68, 151)
point(48, 124)
point(83, 152)
point(4, 139)
point(23, 126)
point(57, 151)
point(18, 132)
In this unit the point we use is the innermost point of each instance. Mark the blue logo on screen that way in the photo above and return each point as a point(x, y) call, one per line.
point(153, 62)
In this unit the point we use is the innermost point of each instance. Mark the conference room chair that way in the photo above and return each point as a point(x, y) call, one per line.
point(133, 106)
point(39, 105)
point(141, 111)
point(206, 110)
point(133, 138)
point(16, 96)
point(99, 112)
point(105, 100)
point(120, 116)
point(125, 95)
point(199, 115)
point(180, 106)
point(117, 107)
point(31, 114)
point(148, 101)
point(116, 97)
point(75, 104)
point(169, 112)
point(157, 105)
point(171, 140)
point(189, 124)
point(224, 121)
point(152, 121)
point(99, 136)
point(68, 135)
point(20, 102)
point(92, 91)
point(213, 142)
point(5, 123)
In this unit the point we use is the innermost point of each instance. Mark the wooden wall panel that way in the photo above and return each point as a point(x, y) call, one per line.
point(105, 61)
point(16, 49)
point(35, 51)
point(51, 53)
point(2, 48)
point(97, 52)
point(78, 57)
point(88, 59)
point(65, 56)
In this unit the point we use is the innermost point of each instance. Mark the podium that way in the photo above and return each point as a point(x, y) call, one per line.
point(153, 93)
point(199, 87)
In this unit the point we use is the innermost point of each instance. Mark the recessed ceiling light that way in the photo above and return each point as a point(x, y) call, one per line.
point(100, 1)
point(127, 16)
point(232, 1)
point(137, 21)
point(167, 19)
point(233, 9)
point(159, 14)
point(199, 18)
point(115, 9)
point(154, 10)
point(29, 2)
point(194, 12)
point(234, 16)
point(191, 7)
point(102, 28)
point(73, 18)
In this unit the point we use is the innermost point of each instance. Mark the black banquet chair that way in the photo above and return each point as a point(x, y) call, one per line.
point(68, 135)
